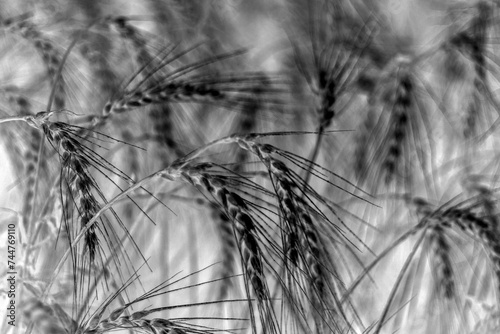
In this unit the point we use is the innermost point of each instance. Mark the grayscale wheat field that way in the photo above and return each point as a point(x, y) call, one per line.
point(218, 166)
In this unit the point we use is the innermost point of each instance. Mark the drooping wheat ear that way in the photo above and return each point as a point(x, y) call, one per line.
point(321, 272)
point(473, 40)
point(228, 248)
point(399, 127)
point(331, 65)
point(310, 241)
point(50, 56)
point(251, 254)
point(479, 34)
point(441, 262)
point(328, 96)
point(401, 132)
point(303, 250)
point(363, 141)
point(75, 166)
point(288, 207)
point(244, 227)
point(244, 232)
point(467, 220)
point(337, 65)
point(76, 180)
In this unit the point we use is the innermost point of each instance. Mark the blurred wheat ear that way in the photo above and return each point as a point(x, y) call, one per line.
point(331, 165)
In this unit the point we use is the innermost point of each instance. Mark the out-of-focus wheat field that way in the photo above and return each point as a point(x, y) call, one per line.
point(207, 166)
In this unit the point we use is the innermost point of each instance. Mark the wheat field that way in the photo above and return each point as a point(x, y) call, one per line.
point(226, 166)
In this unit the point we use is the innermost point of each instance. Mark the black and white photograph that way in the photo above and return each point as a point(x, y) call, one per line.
point(250, 166)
